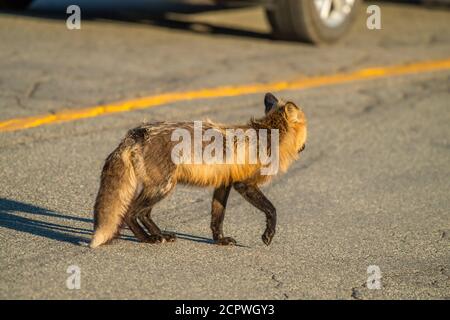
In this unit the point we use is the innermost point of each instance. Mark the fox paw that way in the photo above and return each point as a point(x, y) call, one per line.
point(169, 237)
point(226, 241)
point(161, 238)
point(155, 238)
point(267, 237)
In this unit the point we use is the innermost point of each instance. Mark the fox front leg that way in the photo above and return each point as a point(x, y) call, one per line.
point(253, 195)
point(218, 207)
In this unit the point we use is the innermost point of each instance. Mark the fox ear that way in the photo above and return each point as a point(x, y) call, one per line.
point(270, 101)
point(291, 112)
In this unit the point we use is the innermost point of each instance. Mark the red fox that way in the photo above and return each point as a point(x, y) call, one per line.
point(141, 171)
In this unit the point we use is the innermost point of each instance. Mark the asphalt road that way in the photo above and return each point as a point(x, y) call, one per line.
point(372, 187)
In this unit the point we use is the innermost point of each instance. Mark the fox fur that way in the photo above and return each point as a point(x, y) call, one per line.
point(140, 172)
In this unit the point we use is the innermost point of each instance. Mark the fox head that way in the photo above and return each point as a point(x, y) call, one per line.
point(292, 117)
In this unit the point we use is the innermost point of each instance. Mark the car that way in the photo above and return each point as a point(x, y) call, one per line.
point(315, 21)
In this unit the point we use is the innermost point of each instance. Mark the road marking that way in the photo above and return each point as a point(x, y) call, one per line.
point(218, 92)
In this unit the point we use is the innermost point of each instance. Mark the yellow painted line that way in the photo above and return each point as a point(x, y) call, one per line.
point(229, 91)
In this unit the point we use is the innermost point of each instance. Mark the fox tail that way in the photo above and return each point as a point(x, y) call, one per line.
point(117, 188)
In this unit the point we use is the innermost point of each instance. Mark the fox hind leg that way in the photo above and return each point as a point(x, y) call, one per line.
point(153, 229)
point(147, 221)
point(142, 213)
point(218, 206)
point(133, 224)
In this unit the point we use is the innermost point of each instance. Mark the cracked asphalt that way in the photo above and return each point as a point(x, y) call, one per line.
point(371, 188)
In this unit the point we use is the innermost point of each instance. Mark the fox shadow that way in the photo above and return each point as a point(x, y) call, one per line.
point(12, 217)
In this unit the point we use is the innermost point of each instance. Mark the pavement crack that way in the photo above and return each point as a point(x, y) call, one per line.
point(444, 271)
point(444, 234)
point(356, 292)
point(278, 284)
point(33, 88)
point(19, 102)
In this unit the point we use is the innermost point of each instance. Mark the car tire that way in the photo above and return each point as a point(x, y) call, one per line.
point(299, 20)
point(15, 4)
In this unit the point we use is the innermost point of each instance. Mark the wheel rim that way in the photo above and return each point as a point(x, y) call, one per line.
point(333, 12)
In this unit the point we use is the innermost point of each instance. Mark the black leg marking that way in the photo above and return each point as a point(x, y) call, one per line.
point(218, 207)
point(154, 230)
point(139, 210)
point(253, 195)
point(145, 218)
point(131, 221)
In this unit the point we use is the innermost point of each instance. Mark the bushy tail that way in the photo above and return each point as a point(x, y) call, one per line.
point(117, 189)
